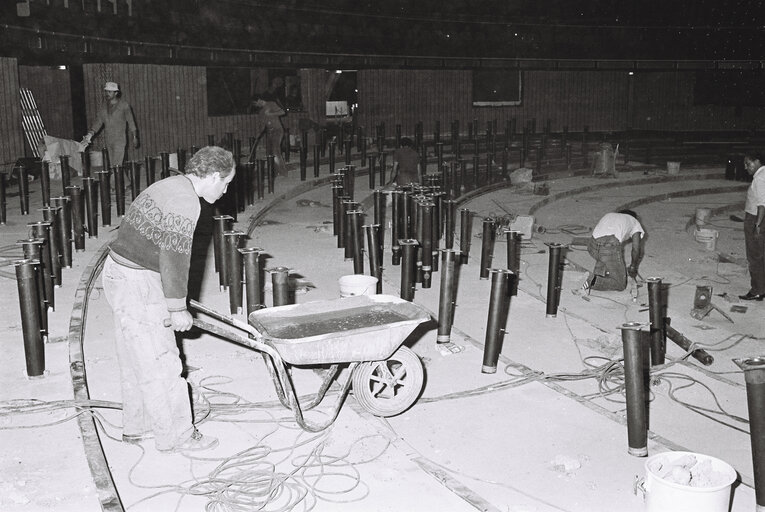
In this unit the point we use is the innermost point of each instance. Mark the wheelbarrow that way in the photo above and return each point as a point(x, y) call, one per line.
point(362, 333)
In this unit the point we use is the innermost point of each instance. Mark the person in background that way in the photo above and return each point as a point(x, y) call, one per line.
point(145, 279)
point(116, 118)
point(606, 245)
point(406, 164)
point(754, 233)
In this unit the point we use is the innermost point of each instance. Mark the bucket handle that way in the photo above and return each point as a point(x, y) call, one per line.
point(639, 486)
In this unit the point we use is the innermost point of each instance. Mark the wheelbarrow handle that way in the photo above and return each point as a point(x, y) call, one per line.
point(225, 318)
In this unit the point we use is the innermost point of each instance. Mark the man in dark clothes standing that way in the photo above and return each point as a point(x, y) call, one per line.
point(145, 279)
point(406, 164)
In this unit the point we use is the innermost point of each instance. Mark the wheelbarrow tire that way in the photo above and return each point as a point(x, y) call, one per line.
point(387, 388)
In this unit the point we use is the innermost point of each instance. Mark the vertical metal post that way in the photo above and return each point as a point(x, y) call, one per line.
point(466, 228)
point(553, 280)
point(449, 221)
point(41, 230)
point(372, 170)
point(754, 376)
point(135, 179)
point(260, 178)
point(66, 172)
point(32, 252)
point(85, 158)
point(105, 193)
point(45, 182)
point(514, 257)
point(234, 269)
point(90, 197)
point(21, 174)
point(253, 278)
point(181, 155)
point(280, 283)
point(499, 304)
point(634, 386)
point(164, 160)
point(331, 160)
point(408, 261)
point(34, 345)
point(149, 164)
point(316, 160)
point(487, 246)
point(656, 314)
point(78, 222)
point(379, 199)
point(446, 298)
point(373, 251)
point(105, 159)
point(119, 189)
point(64, 228)
point(270, 172)
point(221, 224)
point(355, 219)
point(3, 203)
point(396, 226)
point(51, 216)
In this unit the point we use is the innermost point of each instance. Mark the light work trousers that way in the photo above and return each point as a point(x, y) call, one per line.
point(155, 397)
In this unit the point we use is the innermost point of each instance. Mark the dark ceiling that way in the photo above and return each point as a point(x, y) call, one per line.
point(507, 29)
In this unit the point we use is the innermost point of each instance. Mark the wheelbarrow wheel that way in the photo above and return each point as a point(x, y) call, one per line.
point(386, 388)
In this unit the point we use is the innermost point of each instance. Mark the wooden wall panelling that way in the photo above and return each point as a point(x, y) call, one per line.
point(52, 91)
point(12, 144)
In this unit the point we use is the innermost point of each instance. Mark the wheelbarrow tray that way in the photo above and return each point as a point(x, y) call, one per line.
point(358, 328)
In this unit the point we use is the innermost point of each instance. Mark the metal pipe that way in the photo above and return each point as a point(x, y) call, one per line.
point(487, 246)
point(85, 158)
point(408, 261)
point(270, 172)
point(280, 283)
point(45, 182)
point(553, 280)
point(105, 159)
point(119, 189)
point(372, 170)
point(303, 162)
point(499, 305)
point(679, 339)
point(164, 162)
point(514, 257)
point(221, 224)
point(3, 202)
point(466, 228)
point(32, 252)
point(105, 193)
point(260, 178)
point(373, 246)
point(447, 295)
point(21, 174)
point(379, 199)
point(90, 193)
point(150, 174)
point(34, 344)
point(449, 221)
point(64, 228)
point(78, 221)
point(316, 160)
point(41, 230)
point(331, 160)
point(234, 269)
point(181, 155)
point(66, 172)
point(396, 226)
point(135, 179)
point(350, 181)
point(656, 314)
point(355, 219)
point(754, 376)
point(634, 387)
point(253, 278)
point(427, 244)
point(50, 215)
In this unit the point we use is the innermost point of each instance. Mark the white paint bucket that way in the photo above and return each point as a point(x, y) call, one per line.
point(357, 284)
point(708, 237)
point(702, 216)
point(673, 167)
point(664, 495)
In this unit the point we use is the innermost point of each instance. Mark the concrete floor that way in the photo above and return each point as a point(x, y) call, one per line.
point(542, 434)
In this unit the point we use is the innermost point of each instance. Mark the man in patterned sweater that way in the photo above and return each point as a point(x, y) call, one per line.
point(145, 280)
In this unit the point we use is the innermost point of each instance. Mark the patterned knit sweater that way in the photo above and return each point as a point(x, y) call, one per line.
point(156, 234)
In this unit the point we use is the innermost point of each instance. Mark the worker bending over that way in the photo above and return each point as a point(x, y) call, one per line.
point(606, 245)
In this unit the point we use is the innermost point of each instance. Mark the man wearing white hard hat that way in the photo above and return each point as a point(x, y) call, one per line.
point(114, 117)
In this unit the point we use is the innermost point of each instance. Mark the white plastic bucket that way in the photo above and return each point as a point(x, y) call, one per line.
point(664, 495)
point(357, 284)
point(702, 216)
point(708, 237)
point(673, 167)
